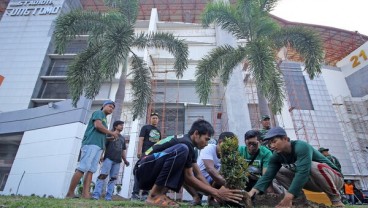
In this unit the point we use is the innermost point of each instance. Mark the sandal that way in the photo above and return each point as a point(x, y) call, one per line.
point(162, 201)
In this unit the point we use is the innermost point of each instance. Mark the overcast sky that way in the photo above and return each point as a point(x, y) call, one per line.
point(349, 15)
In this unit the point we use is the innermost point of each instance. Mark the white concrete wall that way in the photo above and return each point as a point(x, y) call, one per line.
point(335, 83)
point(47, 158)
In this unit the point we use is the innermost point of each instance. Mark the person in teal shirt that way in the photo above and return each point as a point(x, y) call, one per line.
point(92, 145)
point(299, 166)
point(256, 155)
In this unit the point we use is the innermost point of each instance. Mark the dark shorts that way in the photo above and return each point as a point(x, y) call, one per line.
point(164, 168)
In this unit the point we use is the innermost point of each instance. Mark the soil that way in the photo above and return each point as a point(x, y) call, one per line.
point(271, 200)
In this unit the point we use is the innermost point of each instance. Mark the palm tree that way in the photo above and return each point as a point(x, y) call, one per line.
point(111, 38)
point(250, 20)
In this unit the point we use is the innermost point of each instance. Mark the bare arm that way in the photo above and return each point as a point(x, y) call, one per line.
point(140, 145)
point(123, 156)
point(198, 174)
point(222, 194)
point(211, 170)
point(101, 128)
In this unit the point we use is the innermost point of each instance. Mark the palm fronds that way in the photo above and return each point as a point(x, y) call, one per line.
point(307, 43)
point(208, 68)
point(167, 41)
point(141, 86)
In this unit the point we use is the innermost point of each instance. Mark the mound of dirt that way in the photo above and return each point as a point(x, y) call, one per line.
point(271, 200)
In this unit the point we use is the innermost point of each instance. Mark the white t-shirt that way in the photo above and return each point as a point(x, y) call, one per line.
point(208, 153)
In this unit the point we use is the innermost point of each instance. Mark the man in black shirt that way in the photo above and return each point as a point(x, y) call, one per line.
point(172, 161)
point(115, 152)
point(148, 136)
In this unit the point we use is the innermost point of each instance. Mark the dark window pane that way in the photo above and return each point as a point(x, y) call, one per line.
point(297, 89)
point(55, 90)
point(75, 46)
point(9, 145)
point(59, 67)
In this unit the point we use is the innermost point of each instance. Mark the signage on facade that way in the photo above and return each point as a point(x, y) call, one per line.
point(355, 60)
point(27, 8)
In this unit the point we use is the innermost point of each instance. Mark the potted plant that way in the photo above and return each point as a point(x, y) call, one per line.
point(234, 170)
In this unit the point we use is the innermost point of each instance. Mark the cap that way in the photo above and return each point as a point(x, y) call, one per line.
point(273, 132)
point(322, 149)
point(154, 114)
point(107, 103)
point(265, 117)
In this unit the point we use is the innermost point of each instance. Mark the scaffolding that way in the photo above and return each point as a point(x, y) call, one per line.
point(300, 110)
point(353, 117)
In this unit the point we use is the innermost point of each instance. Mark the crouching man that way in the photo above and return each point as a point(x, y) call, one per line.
point(172, 161)
point(298, 165)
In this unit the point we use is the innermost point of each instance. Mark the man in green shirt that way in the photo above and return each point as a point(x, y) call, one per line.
point(332, 158)
point(256, 155)
point(298, 165)
point(92, 145)
point(266, 125)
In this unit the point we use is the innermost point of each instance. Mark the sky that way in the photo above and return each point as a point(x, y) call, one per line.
point(351, 15)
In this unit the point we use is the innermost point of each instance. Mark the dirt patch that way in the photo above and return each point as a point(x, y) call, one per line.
point(271, 200)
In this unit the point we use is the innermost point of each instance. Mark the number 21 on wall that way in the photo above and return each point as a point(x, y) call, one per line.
point(355, 59)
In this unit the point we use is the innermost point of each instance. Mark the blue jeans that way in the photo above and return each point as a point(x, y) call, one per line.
point(110, 168)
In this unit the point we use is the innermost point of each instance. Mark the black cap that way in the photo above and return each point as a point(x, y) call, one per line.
point(264, 117)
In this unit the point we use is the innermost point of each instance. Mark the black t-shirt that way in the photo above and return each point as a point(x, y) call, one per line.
point(173, 140)
point(151, 135)
point(114, 149)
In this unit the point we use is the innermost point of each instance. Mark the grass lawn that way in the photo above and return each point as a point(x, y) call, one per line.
point(38, 202)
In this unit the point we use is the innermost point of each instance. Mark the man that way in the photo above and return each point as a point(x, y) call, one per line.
point(148, 136)
point(256, 155)
point(266, 125)
point(172, 161)
point(209, 163)
point(332, 158)
point(114, 154)
point(349, 191)
point(92, 145)
point(298, 165)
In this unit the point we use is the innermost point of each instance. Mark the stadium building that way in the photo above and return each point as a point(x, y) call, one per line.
point(40, 131)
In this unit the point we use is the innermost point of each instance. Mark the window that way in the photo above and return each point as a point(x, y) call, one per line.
point(59, 67)
point(55, 89)
point(9, 145)
point(297, 89)
point(75, 46)
point(171, 120)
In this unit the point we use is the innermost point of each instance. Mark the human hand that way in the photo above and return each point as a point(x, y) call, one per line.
point(126, 162)
point(232, 195)
point(253, 192)
point(286, 202)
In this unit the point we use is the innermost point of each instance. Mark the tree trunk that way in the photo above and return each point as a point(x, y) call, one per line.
point(120, 93)
point(262, 104)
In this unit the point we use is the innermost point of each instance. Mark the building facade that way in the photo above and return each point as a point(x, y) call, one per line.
point(40, 132)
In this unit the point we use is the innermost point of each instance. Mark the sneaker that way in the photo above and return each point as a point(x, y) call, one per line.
point(135, 197)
